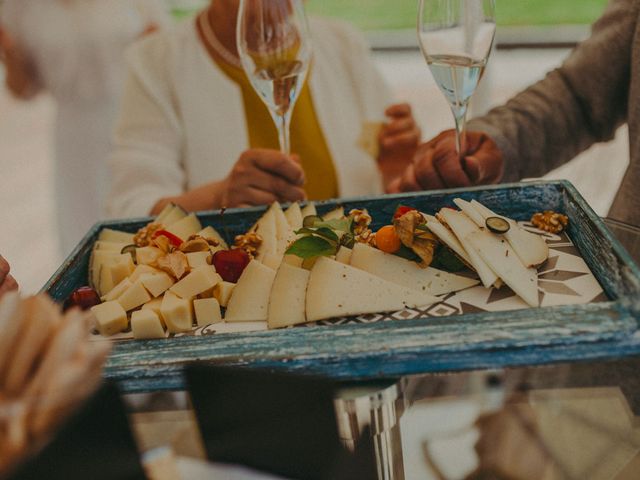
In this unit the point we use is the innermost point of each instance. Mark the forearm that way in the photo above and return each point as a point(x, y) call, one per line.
point(206, 197)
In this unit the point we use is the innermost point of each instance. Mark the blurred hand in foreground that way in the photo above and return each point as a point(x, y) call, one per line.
point(7, 282)
point(20, 76)
point(437, 165)
point(398, 140)
point(259, 177)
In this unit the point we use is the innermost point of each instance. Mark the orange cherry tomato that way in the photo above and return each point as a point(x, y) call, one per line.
point(387, 239)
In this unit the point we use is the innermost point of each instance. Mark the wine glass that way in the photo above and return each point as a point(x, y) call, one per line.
point(275, 50)
point(456, 38)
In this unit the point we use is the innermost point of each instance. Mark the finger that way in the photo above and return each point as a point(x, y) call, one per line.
point(277, 163)
point(484, 167)
point(251, 197)
point(9, 284)
point(398, 110)
point(449, 167)
point(398, 125)
point(408, 181)
point(4, 268)
point(402, 140)
point(394, 186)
point(426, 174)
point(275, 185)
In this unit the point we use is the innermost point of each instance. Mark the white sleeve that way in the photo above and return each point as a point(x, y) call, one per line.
point(154, 11)
point(11, 16)
point(146, 161)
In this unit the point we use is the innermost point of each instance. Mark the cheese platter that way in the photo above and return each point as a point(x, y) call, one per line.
point(358, 288)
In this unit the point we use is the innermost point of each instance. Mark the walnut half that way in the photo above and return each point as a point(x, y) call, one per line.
point(550, 221)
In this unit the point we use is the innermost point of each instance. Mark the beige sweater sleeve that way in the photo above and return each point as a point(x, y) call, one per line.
point(576, 105)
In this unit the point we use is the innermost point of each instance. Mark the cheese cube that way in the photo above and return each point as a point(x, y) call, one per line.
point(105, 284)
point(185, 227)
point(118, 290)
point(146, 324)
point(198, 281)
point(222, 292)
point(110, 318)
point(176, 313)
point(121, 267)
point(207, 311)
point(147, 255)
point(154, 305)
point(134, 296)
point(198, 259)
point(142, 270)
point(156, 285)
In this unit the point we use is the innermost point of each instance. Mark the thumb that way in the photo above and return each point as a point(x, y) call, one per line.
point(474, 169)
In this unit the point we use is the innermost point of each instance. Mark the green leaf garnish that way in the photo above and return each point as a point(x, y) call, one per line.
point(311, 246)
point(321, 232)
point(408, 254)
point(445, 259)
point(340, 224)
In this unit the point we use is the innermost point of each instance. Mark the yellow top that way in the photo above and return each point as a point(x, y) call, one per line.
point(307, 138)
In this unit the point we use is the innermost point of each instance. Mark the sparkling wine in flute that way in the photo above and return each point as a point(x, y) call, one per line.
point(279, 86)
point(457, 77)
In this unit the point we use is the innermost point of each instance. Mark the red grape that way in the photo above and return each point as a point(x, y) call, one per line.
point(83, 297)
point(230, 263)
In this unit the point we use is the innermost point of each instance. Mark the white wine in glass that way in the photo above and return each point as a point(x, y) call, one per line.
point(275, 50)
point(456, 39)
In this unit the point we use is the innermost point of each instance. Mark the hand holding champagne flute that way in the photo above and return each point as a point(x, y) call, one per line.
point(275, 51)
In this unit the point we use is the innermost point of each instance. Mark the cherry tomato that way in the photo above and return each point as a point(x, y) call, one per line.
point(230, 263)
point(83, 297)
point(401, 210)
point(173, 239)
point(387, 239)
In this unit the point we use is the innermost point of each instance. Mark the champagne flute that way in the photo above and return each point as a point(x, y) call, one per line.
point(275, 50)
point(456, 38)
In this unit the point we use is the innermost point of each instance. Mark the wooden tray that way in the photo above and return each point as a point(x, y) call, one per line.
point(606, 329)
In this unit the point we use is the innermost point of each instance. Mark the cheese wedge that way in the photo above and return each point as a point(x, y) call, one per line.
point(198, 259)
point(210, 232)
point(407, 273)
point(344, 255)
point(337, 290)
point(222, 292)
point(134, 296)
point(199, 280)
point(446, 237)
point(250, 299)
point(294, 216)
point(185, 227)
point(157, 284)
point(462, 226)
point(110, 318)
point(308, 210)
point(284, 233)
point(165, 211)
point(109, 235)
point(499, 255)
point(531, 248)
point(334, 214)
point(146, 324)
point(207, 311)
point(266, 228)
point(177, 313)
point(470, 211)
point(287, 300)
point(172, 216)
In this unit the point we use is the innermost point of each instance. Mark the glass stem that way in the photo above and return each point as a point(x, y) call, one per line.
point(460, 114)
point(283, 123)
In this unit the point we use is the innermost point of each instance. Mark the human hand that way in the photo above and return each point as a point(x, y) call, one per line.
point(7, 282)
point(20, 76)
point(437, 164)
point(398, 140)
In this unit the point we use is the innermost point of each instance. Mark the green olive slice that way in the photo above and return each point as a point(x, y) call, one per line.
point(497, 224)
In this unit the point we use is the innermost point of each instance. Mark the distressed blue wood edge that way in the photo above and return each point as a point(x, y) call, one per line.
point(364, 352)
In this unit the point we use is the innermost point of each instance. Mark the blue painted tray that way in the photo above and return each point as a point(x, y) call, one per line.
point(536, 336)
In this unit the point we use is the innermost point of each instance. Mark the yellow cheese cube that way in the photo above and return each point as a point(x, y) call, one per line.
point(118, 290)
point(110, 318)
point(156, 285)
point(105, 284)
point(177, 313)
point(222, 292)
point(134, 296)
point(142, 270)
point(147, 255)
point(207, 311)
point(154, 305)
point(146, 324)
point(198, 281)
point(198, 259)
point(121, 267)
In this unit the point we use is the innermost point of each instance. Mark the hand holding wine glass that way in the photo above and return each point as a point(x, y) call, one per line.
point(456, 38)
point(275, 51)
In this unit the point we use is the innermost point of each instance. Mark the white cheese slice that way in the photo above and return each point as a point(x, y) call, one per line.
point(309, 210)
point(177, 313)
point(223, 291)
point(499, 255)
point(185, 227)
point(266, 228)
point(250, 299)
point(462, 226)
point(287, 300)
point(530, 248)
point(157, 284)
point(110, 318)
point(470, 211)
point(118, 290)
point(198, 259)
point(134, 296)
point(146, 324)
point(284, 232)
point(407, 273)
point(199, 280)
point(446, 237)
point(210, 232)
point(174, 215)
point(293, 260)
point(344, 255)
point(337, 290)
point(294, 216)
point(207, 311)
point(148, 255)
point(110, 235)
point(334, 214)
